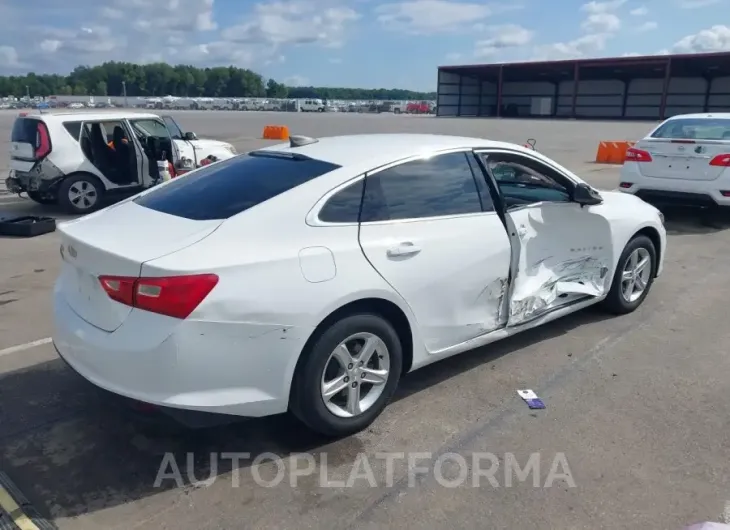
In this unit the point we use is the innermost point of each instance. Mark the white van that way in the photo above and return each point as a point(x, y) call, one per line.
point(312, 105)
point(75, 159)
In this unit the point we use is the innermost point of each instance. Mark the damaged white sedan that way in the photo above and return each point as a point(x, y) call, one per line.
point(310, 276)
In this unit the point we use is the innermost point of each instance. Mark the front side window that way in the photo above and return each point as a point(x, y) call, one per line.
point(173, 128)
point(523, 181)
point(442, 185)
point(148, 128)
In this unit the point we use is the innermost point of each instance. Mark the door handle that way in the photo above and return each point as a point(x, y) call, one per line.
point(403, 249)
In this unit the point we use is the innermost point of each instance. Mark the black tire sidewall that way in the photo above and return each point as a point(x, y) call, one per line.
point(616, 298)
point(63, 189)
point(307, 403)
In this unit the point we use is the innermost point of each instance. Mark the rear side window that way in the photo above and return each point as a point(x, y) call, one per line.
point(224, 189)
point(73, 128)
point(694, 129)
point(24, 131)
point(344, 206)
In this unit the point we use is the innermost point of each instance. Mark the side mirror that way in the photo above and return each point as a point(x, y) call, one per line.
point(586, 196)
point(190, 136)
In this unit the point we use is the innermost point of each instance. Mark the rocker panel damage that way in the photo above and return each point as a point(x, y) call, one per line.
point(550, 283)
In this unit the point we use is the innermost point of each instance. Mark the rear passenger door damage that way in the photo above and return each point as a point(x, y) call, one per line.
point(431, 232)
point(562, 251)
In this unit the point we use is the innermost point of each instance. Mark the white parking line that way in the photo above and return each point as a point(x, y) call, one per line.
point(26, 346)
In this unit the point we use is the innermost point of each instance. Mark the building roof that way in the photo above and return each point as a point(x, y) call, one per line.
point(717, 63)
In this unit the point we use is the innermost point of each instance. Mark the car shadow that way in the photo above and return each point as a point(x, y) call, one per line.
point(73, 450)
point(680, 220)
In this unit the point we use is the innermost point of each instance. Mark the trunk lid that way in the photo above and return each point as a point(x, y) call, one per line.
point(116, 242)
point(682, 159)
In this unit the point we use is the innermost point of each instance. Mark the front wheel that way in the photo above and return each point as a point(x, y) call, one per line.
point(634, 276)
point(348, 375)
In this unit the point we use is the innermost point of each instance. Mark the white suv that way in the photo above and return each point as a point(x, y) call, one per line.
point(75, 159)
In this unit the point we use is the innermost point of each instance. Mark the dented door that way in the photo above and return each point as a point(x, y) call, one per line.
point(563, 254)
point(561, 251)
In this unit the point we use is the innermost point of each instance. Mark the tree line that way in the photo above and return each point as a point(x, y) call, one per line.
point(161, 79)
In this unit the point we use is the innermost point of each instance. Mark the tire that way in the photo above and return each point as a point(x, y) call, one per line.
point(616, 302)
point(318, 365)
point(81, 181)
point(41, 198)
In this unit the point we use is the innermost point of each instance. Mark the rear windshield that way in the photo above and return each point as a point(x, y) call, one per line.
point(24, 131)
point(232, 186)
point(695, 129)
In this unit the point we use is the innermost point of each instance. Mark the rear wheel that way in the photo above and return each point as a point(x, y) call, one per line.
point(348, 376)
point(42, 198)
point(80, 194)
point(634, 276)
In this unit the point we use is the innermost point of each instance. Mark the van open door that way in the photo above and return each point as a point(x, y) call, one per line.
point(30, 143)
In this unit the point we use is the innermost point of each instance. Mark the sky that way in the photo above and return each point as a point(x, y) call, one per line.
point(352, 43)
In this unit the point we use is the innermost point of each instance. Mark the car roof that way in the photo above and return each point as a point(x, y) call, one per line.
point(704, 115)
point(80, 116)
point(375, 150)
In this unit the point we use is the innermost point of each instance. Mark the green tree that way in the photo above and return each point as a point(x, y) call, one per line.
point(160, 79)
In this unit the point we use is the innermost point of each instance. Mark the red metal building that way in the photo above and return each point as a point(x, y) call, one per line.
point(641, 88)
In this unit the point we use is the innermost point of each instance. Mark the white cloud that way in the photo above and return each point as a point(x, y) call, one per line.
point(293, 23)
point(695, 4)
point(9, 57)
point(503, 37)
point(714, 39)
point(647, 26)
point(296, 80)
point(639, 11)
point(602, 7)
point(601, 23)
point(430, 16)
point(574, 49)
point(176, 31)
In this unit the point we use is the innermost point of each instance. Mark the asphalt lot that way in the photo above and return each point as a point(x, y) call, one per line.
point(636, 404)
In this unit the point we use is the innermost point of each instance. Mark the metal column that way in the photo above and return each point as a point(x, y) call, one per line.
point(576, 81)
point(499, 91)
point(665, 89)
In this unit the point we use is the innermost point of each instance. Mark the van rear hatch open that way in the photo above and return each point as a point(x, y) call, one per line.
point(30, 142)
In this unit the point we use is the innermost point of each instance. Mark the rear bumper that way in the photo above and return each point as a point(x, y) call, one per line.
point(241, 369)
point(35, 181)
point(677, 198)
point(675, 192)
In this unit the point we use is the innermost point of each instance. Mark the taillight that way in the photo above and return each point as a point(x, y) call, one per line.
point(637, 155)
point(721, 160)
point(43, 141)
point(173, 296)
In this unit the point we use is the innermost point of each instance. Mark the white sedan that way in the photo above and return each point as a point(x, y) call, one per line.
point(684, 160)
point(310, 276)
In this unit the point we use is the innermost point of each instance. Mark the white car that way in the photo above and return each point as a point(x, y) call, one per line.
point(74, 159)
point(684, 160)
point(310, 276)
